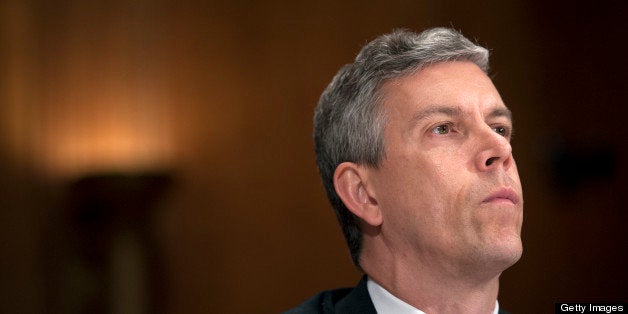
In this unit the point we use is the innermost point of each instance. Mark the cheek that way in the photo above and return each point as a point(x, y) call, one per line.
point(406, 191)
point(445, 196)
point(428, 186)
point(449, 182)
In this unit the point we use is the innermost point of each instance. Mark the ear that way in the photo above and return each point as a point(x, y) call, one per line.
point(350, 181)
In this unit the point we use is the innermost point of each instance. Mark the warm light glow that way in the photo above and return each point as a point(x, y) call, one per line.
point(118, 150)
point(80, 98)
point(114, 135)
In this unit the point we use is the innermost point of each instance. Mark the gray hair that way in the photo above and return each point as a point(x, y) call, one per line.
point(348, 121)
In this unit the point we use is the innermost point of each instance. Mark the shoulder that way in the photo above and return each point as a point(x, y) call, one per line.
point(323, 302)
point(343, 300)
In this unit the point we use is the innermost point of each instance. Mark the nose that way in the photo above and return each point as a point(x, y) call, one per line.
point(494, 151)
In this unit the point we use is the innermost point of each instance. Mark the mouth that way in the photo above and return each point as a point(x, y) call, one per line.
point(503, 195)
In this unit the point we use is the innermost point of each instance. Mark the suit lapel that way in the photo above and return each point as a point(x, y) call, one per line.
point(357, 301)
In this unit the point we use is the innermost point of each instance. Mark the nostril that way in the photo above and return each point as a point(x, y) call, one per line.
point(491, 160)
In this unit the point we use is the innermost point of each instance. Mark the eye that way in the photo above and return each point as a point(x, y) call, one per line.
point(442, 129)
point(503, 131)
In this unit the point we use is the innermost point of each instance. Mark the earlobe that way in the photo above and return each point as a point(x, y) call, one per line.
point(350, 181)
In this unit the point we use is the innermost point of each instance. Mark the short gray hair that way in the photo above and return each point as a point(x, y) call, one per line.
point(348, 121)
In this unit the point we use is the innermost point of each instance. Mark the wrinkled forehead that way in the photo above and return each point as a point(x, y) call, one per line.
point(458, 84)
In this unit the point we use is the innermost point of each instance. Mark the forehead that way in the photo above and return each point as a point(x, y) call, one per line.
point(458, 84)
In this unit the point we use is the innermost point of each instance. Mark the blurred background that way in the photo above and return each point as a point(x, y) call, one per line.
point(156, 156)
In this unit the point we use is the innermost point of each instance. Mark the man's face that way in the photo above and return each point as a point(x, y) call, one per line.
point(448, 186)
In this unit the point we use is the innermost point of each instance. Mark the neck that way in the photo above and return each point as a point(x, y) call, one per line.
point(433, 286)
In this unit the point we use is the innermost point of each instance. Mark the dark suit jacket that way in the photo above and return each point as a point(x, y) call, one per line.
point(341, 301)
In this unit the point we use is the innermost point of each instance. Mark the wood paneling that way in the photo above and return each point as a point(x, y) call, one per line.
point(222, 94)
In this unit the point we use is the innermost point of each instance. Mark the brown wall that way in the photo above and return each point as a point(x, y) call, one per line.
point(221, 95)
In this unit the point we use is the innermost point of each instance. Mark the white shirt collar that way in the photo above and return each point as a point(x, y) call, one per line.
point(386, 303)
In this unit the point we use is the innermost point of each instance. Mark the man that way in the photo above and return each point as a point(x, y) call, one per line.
point(413, 145)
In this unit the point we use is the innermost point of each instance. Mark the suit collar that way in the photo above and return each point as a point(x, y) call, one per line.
point(357, 301)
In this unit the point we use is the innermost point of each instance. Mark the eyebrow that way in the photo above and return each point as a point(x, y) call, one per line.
point(455, 112)
point(430, 111)
point(500, 112)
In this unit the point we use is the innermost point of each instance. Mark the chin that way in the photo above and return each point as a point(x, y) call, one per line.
point(497, 255)
point(506, 253)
